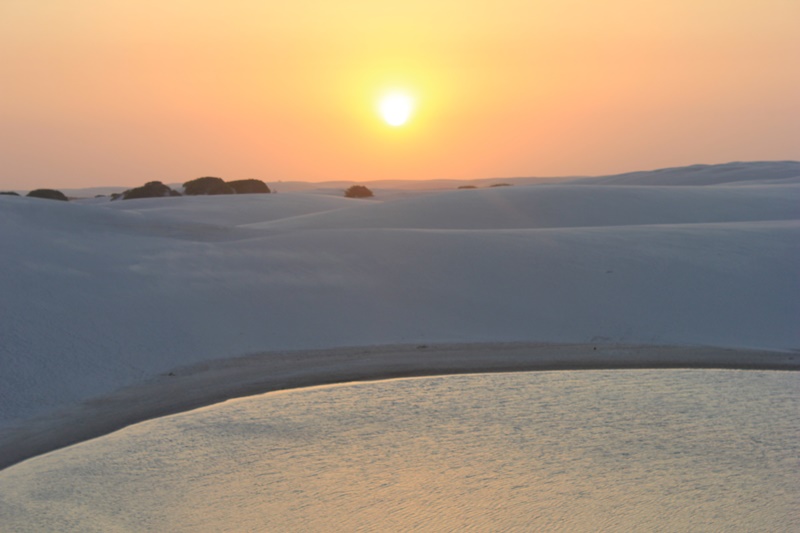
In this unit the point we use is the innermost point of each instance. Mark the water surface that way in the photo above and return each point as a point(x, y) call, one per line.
point(668, 450)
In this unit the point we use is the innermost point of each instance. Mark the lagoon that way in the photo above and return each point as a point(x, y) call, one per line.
point(595, 450)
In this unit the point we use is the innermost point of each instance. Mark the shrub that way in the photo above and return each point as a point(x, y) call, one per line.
point(9, 193)
point(50, 194)
point(500, 185)
point(250, 186)
point(468, 187)
point(358, 191)
point(152, 189)
point(206, 185)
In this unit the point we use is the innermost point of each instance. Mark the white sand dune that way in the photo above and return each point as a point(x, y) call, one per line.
point(558, 206)
point(100, 297)
point(233, 210)
point(729, 173)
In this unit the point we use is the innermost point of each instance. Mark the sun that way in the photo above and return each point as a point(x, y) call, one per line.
point(396, 108)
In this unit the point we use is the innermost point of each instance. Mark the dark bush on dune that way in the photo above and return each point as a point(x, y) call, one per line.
point(250, 186)
point(500, 185)
point(9, 193)
point(50, 194)
point(152, 189)
point(468, 187)
point(206, 185)
point(358, 191)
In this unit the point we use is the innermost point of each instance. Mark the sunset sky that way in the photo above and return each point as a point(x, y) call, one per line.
point(100, 92)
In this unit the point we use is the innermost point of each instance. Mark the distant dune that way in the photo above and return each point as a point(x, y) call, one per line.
point(729, 173)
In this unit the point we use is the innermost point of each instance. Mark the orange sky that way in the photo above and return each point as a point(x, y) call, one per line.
point(96, 92)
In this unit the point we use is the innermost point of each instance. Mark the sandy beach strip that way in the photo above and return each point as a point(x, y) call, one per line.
point(212, 382)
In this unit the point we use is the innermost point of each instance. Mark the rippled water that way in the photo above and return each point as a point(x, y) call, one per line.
point(647, 450)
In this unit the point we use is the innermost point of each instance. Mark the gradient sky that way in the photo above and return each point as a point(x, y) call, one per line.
point(100, 92)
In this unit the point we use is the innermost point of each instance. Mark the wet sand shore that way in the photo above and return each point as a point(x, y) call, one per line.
point(212, 382)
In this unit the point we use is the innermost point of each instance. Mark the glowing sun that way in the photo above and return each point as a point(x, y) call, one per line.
point(395, 108)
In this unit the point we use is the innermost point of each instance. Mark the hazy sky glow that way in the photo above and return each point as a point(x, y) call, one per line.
point(94, 92)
